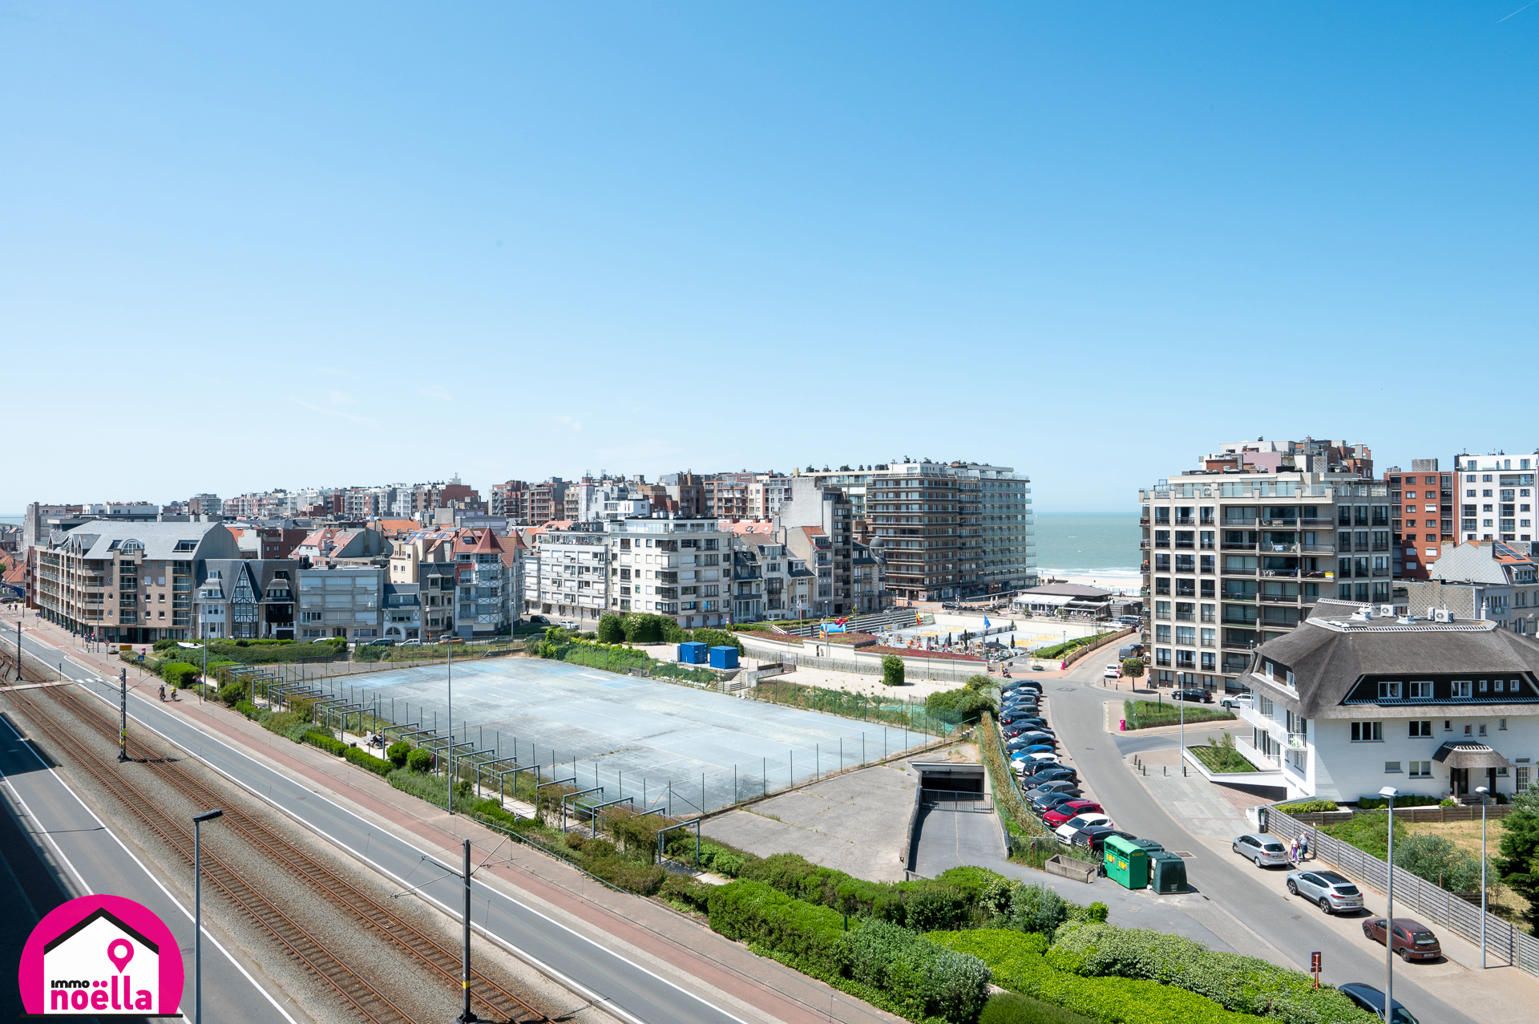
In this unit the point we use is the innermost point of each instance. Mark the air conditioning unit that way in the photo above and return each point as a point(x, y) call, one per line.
point(1387, 611)
point(1442, 615)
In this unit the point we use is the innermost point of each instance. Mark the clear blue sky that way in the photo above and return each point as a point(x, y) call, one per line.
point(245, 246)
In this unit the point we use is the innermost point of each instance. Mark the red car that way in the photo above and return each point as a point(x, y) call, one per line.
point(1063, 812)
point(1413, 940)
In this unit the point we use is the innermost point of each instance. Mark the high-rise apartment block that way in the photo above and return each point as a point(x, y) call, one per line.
point(1496, 496)
point(1422, 513)
point(944, 530)
point(1238, 550)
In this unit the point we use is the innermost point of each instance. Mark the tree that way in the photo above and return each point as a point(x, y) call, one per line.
point(1519, 860)
point(1133, 668)
point(611, 628)
point(892, 670)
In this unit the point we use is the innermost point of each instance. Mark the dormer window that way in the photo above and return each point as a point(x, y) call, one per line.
point(1421, 689)
point(1461, 689)
point(1389, 690)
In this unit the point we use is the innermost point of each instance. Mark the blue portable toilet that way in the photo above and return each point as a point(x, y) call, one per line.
point(692, 652)
point(724, 657)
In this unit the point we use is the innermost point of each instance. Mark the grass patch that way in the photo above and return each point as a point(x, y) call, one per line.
point(1068, 646)
point(1222, 759)
point(1148, 714)
point(866, 708)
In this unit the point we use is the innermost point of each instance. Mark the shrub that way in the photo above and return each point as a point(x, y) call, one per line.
point(808, 937)
point(717, 638)
point(1439, 861)
point(892, 670)
point(642, 629)
point(249, 709)
point(624, 873)
point(397, 752)
point(364, 759)
point(230, 693)
point(1378, 803)
point(685, 893)
point(1036, 908)
point(1368, 831)
point(420, 760)
point(178, 673)
point(1147, 714)
point(1240, 983)
point(1307, 806)
point(1014, 1008)
point(1016, 961)
point(323, 739)
point(611, 630)
point(960, 705)
point(930, 907)
point(921, 978)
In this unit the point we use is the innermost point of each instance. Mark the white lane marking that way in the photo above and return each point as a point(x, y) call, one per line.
point(174, 901)
point(576, 986)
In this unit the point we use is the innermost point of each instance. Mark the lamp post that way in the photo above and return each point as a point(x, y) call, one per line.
point(450, 664)
point(1484, 793)
point(1389, 793)
point(197, 910)
point(1181, 754)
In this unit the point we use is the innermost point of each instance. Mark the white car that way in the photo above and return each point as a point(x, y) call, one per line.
point(1039, 758)
point(1237, 701)
point(1112, 672)
point(1065, 832)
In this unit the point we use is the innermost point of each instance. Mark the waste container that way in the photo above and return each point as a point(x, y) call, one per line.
point(1167, 872)
point(1146, 845)
point(1126, 864)
point(724, 657)
point(692, 652)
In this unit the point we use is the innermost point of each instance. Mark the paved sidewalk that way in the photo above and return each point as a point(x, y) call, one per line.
point(670, 944)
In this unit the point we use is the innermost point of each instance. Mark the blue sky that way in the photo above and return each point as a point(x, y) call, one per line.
point(262, 245)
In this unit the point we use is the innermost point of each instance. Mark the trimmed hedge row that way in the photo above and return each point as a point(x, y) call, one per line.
point(1014, 1008)
point(1017, 962)
point(889, 966)
point(1244, 984)
point(364, 759)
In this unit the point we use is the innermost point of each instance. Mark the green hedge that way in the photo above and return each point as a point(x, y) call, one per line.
point(1016, 962)
point(1014, 1008)
point(317, 737)
point(807, 936)
point(1307, 806)
point(1067, 647)
point(1244, 984)
point(1030, 840)
point(1148, 714)
point(178, 673)
point(1378, 803)
point(364, 759)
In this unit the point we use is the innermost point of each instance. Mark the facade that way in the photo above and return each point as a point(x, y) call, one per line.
point(402, 615)
point(1496, 496)
point(124, 581)
point(1480, 580)
point(1423, 510)
point(676, 567)
point(566, 573)
point(484, 583)
point(818, 527)
point(1237, 552)
point(943, 530)
point(342, 601)
point(1355, 700)
point(246, 599)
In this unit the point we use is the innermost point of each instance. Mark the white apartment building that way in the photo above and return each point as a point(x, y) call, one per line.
point(1496, 496)
point(1480, 580)
point(676, 567)
point(566, 573)
point(1356, 699)
point(1237, 552)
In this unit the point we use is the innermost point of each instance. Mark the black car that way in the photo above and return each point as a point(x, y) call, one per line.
point(1032, 769)
point(1017, 685)
point(1371, 999)
point(1013, 720)
point(1192, 696)
point(1094, 837)
point(1043, 801)
point(1053, 773)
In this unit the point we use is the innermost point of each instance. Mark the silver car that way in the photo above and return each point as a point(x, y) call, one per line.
point(1334, 893)
point(1264, 851)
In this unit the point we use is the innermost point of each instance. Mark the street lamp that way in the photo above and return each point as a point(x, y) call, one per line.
point(1182, 740)
point(450, 664)
point(1389, 793)
point(1484, 793)
point(197, 910)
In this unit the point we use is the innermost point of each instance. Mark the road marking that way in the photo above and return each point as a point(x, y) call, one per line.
point(576, 986)
point(27, 744)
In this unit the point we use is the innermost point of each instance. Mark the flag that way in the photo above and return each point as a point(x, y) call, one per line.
point(985, 622)
point(919, 618)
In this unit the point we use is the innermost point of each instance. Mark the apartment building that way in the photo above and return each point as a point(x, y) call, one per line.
point(205, 505)
point(728, 495)
point(676, 567)
point(816, 522)
point(1355, 700)
point(126, 582)
point(342, 601)
point(1496, 496)
point(943, 530)
point(529, 504)
point(1423, 510)
point(768, 582)
point(1489, 580)
point(486, 581)
point(1238, 550)
point(246, 599)
point(566, 572)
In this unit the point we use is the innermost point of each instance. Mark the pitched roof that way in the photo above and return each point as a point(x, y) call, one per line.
point(101, 538)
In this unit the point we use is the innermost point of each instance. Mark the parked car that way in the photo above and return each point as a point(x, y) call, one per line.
point(450, 638)
point(1112, 672)
point(381, 642)
point(1016, 685)
point(1042, 758)
point(1333, 892)
point(1035, 748)
point(1019, 704)
point(1193, 696)
point(1069, 829)
point(1237, 701)
point(1028, 739)
point(1029, 722)
point(1063, 812)
point(1094, 837)
point(1058, 786)
point(1413, 940)
point(1054, 773)
point(1371, 999)
point(413, 642)
point(1042, 802)
point(1265, 851)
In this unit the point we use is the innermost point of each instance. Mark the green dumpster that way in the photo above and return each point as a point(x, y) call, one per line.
point(1126, 863)
point(1146, 845)
point(1167, 872)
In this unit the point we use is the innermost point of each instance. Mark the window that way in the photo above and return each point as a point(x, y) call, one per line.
point(1499, 685)
point(1421, 689)
point(1460, 689)
point(1421, 770)
point(1482, 730)
point(1389, 690)
point(1420, 729)
point(1367, 732)
point(1483, 684)
point(1391, 767)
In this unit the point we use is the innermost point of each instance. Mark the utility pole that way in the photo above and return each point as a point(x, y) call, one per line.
point(450, 664)
point(467, 1015)
point(122, 714)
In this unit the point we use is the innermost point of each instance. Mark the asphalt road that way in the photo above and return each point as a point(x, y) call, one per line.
point(1254, 898)
point(620, 985)
point(94, 861)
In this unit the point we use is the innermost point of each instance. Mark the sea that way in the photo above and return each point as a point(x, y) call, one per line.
point(1099, 550)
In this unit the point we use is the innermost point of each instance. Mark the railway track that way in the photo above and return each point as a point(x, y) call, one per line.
point(52, 708)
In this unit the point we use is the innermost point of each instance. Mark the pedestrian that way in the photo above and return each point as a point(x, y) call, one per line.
point(1304, 846)
point(1293, 851)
